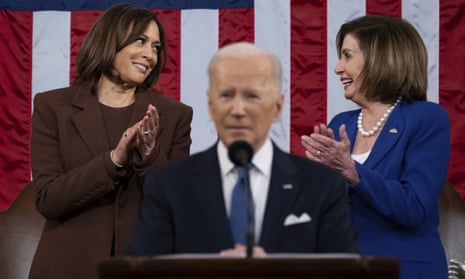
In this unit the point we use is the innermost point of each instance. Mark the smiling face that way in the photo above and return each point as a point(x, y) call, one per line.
point(134, 62)
point(244, 99)
point(350, 67)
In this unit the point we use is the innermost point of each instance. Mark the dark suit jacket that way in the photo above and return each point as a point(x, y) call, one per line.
point(184, 211)
point(91, 207)
point(396, 202)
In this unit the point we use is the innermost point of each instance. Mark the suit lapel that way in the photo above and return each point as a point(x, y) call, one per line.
point(89, 120)
point(388, 137)
point(208, 187)
point(282, 194)
point(351, 129)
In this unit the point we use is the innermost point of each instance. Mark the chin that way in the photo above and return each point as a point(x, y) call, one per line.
point(229, 141)
point(348, 96)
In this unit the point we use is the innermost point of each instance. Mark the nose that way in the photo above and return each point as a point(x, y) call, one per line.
point(238, 106)
point(339, 68)
point(148, 52)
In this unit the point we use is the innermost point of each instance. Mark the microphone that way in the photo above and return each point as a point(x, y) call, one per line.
point(240, 153)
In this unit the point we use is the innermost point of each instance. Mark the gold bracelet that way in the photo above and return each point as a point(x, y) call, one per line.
point(116, 164)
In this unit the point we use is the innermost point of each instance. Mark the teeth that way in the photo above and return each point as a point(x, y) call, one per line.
point(346, 81)
point(142, 67)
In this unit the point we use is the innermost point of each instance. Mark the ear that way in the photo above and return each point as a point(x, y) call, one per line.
point(209, 104)
point(279, 107)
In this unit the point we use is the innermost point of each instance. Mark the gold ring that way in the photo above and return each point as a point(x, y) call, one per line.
point(318, 153)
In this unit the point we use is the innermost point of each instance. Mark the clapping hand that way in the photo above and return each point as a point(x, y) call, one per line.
point(141, 136)
point(147, 130)
point(321, 146)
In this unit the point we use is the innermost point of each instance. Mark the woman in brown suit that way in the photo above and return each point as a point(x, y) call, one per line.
point(92, 144)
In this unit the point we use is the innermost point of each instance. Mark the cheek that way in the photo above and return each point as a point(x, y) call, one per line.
point(211, 109)
point(274, 112)
point(118, 63)
point(215, 112)
point(155, 60)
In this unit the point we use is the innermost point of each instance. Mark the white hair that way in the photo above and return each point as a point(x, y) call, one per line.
point(243, 49)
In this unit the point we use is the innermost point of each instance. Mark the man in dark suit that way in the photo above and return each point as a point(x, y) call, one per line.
point(299, 206)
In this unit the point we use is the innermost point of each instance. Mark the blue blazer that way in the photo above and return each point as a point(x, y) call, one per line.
point(396, 202)
point(183, 209)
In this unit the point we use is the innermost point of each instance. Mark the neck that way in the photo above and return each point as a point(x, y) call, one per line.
point(114, 95)
point(379, 123)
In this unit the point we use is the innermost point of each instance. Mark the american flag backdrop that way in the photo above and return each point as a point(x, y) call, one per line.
point(39, 41)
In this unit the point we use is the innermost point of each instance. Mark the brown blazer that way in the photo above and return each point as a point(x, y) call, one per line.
point(90, 206)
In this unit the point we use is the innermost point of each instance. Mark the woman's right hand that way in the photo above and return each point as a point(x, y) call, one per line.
point(123, 150)
point(321, 146)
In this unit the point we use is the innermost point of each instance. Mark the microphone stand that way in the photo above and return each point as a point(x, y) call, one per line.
point(250, 236)
point(240, 153)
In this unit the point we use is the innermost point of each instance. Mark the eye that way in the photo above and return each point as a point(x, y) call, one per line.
point(140, 40)
point(346, 54)
point(226, 94)
point(156, 48)
point(252, 95)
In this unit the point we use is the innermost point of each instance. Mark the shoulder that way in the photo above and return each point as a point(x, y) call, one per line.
point(423, 122)
point(424, 112)
point(305, 167)
point(193, 163)
point(64, 93)
point(422, 107)
point(316, 179)
point(171, 103)
point(55, 98)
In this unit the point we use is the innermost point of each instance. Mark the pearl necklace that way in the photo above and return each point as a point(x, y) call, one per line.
point(378, 124)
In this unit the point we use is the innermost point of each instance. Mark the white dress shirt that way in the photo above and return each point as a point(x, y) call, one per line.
point(260, 175)
point(361, 158)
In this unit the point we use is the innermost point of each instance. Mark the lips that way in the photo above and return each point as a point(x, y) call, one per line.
point(239, 128)
point(141, 67)
point(346, 82)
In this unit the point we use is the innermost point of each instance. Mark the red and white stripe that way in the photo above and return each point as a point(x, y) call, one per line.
point(39, 51)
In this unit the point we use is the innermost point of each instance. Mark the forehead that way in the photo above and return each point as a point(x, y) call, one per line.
point(243, 67)
point(152, 29)
point(350, 42)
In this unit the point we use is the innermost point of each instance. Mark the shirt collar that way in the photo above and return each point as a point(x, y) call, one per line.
point(261, 159)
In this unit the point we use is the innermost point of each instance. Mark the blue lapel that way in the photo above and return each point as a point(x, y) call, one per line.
point(390, 134)
point(280, 200)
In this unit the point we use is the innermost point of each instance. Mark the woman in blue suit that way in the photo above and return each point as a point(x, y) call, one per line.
point(394, 150)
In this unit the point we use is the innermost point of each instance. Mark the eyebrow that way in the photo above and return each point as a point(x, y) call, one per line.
point(350, 50)
point(147, 37)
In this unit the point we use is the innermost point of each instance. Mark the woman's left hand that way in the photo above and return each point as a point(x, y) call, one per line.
point(321, 146)
point(147, 132)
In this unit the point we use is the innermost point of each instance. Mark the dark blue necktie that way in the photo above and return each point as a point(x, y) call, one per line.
point(238, 216)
